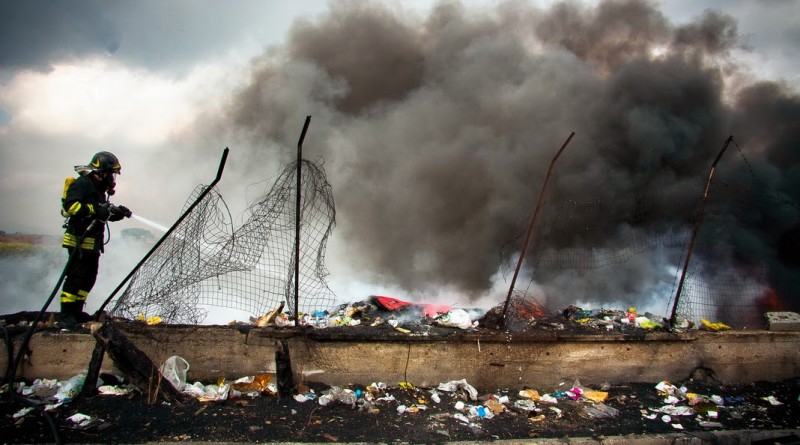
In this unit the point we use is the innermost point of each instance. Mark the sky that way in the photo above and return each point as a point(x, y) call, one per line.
point(430, 117)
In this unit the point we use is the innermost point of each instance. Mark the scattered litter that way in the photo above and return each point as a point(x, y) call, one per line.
point(110, 390)
point(39, 388)
point(675, 410)
point(529, 394)
point(547, 398)
point(719, 326)
point(600, 411)
point(495, 406)
point(595, 396)
point(461, 417)
point(525, 404)
point(259, 383)
point(338, 394)
point(174, 371)
point(456, 318)
point(461, 401)
point(149, 320)
point(70, 388)
point(268, 318)
point(22, 412)
point(52, 406)
point(646, 323)
point(80, 420)
point(455, 385)
point(481, 412)
point(666, 388)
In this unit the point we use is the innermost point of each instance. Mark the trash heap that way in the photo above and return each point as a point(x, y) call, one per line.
point(613, 320)
point(521, 315)
point(377, 310)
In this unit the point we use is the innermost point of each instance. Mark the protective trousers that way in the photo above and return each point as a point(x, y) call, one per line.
point(78, 281)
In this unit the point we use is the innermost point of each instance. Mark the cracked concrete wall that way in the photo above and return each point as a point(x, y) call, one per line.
point(486, 362)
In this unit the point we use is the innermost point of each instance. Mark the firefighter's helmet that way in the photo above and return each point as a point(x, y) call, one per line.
point(105, 161)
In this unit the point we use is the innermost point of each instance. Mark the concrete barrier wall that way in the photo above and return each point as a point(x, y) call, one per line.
point(485, 361)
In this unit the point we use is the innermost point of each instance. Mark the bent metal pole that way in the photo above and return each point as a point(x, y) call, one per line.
point(169, 232)
point(696, 228)
point(530, 228)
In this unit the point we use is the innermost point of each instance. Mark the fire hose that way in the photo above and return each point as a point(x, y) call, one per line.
point(13, 365)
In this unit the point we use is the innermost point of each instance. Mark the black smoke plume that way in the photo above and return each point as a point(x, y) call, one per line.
point(437, 131)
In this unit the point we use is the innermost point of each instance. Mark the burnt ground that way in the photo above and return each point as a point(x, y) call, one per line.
point(370, 414)
point(268, 418)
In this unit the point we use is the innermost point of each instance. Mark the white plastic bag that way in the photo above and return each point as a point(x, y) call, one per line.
point(456, 318)
point(174, 370)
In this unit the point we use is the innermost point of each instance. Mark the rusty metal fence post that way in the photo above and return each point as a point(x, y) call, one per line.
point(696, 228)
point(528, 234)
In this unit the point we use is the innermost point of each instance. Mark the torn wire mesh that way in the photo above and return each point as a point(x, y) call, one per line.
point(205, 262)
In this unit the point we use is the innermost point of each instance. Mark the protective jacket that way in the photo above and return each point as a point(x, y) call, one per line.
point(84, 200)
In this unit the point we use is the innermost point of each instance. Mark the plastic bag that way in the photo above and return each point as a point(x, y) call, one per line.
point(457, 318)
point(174, 370)
point(338, 394)
point(600, 411)
point(455, 385)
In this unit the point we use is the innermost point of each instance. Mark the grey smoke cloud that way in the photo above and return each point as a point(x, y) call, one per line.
point(437, 131)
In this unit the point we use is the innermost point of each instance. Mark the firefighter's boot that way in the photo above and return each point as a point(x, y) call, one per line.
point(71, 313)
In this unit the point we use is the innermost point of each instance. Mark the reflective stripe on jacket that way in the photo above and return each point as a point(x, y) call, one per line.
point(83, 201)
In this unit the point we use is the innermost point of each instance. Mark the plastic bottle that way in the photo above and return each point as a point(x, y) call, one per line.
point(322, 319)
point(70, 388)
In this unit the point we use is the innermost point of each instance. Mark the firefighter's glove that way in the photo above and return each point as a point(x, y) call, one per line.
point(118, 212)
point(103, 212)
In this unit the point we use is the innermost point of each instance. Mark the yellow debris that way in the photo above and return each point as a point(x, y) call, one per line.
point(530, 394)
point(718, 326)
point(596, 396)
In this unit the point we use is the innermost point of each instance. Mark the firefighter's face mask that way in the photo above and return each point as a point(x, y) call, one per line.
point(110, 181)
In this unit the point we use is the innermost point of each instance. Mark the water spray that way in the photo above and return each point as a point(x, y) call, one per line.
point(150, 223)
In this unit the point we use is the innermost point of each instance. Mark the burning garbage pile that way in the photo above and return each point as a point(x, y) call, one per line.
point(376, 311)
point(520, 315)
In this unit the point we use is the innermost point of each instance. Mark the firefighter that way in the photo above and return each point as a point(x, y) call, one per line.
point(87, 209)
